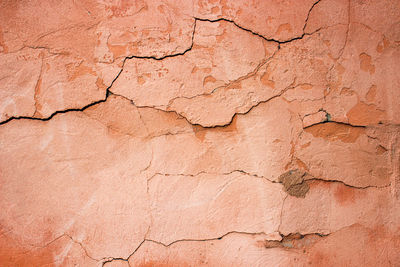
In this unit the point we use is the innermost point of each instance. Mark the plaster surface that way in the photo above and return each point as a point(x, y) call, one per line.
point(200, 133)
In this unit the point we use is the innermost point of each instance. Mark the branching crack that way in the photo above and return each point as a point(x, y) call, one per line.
point(230, 83)
point(72, 240)
point(223, 125)
point(284, 242)
point(164, 57)
point(108, 260)
point(83, 248)
point(241, 113)
point(108, 92)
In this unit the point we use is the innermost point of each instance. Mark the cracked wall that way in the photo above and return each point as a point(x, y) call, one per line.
point(200, 133)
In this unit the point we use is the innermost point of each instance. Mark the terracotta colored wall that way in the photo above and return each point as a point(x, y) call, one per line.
point(199, 133)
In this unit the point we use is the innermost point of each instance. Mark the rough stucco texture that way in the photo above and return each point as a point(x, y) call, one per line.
point(200, 133)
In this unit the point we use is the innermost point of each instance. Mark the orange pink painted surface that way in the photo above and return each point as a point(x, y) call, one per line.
point(200, 133)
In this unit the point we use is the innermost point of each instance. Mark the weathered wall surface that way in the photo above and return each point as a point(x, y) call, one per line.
point(200, 133)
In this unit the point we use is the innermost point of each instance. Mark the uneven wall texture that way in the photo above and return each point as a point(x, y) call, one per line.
point(200, 133)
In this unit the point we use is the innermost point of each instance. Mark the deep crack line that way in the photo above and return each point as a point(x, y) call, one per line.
point(66, 110)
point(170, 55)
point(308, 15)
point(108, 91)
point(264, 37)
point(346, 184)
point(335, 122)
point(279, 42)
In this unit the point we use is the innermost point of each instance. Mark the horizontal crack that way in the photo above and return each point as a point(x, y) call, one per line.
point(203, 240)
point(346, 184)
point(335, 122)
point(269, 180)
point(211, 173)
point(224, 125)
point(268, 243)
point(108, 260)
point(264, 37)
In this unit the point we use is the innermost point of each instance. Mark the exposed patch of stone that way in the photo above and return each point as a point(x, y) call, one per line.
point(295, 183)
point(294, 240)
